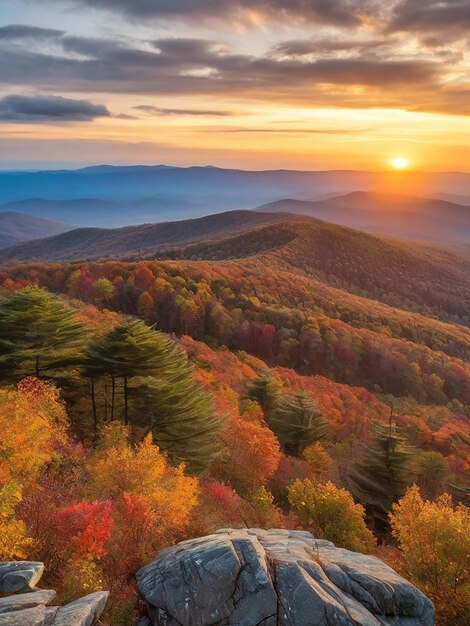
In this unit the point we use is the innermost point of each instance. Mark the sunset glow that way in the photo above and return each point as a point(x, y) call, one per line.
point(400, 163)
point(239, 85)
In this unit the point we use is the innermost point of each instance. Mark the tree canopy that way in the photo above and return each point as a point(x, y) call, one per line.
point(39, 334)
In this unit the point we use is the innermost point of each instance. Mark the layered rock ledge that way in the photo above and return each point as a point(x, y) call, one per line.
point(22, 604)
point(275, 578)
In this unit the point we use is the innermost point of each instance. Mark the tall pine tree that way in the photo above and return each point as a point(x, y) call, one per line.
point(180, 415)
point(297, 422)
point(130, 349)
point(382, 476)
point(158, 390)
point(265, 391)
point(39, 334)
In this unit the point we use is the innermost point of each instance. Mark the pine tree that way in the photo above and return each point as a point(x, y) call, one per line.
point(180, 415)
point(383, 475)
point(39, 334)
point(297, 422)
point(130, 349)
point(159, 391)
point(265, 391)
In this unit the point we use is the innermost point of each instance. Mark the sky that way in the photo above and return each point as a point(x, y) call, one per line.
point(255, 84)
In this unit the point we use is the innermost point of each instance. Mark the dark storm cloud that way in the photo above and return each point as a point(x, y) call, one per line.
point(22, 31)
point(336, 12)
point(20, 108)
point(431, 15)
point(153, 110)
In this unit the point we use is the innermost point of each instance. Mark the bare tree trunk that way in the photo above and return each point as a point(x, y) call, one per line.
point(126, 407)
point(95, 415)
point(113, 395)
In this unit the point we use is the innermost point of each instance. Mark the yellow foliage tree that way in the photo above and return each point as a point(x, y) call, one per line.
point(32, 423)
point(434, 538)
point(14, 543)
point(318, 459)
point(253, 454)
point(330, 512)
point(120, 468)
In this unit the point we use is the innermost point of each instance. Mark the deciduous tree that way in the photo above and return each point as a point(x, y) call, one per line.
point(434, 537)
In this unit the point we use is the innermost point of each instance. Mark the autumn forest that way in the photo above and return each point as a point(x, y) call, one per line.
point(161, 400)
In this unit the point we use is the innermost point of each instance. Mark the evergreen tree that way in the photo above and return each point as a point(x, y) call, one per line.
point(180, 415)
point(382, 476)
point(130, 349)
point(297, 422)
point(159, 391)
point(39, 334)
point(265, 391)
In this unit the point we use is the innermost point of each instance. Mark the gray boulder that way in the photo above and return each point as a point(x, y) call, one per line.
point(29, 609)
point(25, 600)
point(33, 616)
point(276, 578)
point(19, 575)
point(82, 612)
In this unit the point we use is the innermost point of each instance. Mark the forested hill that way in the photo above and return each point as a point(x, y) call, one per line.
point(422, 219)
point(419, 277)
point(142, 240)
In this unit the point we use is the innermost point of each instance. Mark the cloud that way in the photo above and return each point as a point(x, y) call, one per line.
point(20, 108)
point(22, 31)
point(348, 72)
point(200, 66)
point(153, 110)
point(334, 12)
point(431, 15)
point(294, 131)
point(331, 45)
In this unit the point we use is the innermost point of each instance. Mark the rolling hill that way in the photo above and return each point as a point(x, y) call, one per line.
point(18, 227)
point(142, 240)
point(423, 219)
point(419, 277)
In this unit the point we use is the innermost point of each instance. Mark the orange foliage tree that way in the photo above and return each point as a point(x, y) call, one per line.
point(253, 454)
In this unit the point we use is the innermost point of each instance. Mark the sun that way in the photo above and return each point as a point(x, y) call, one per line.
point(400, 163)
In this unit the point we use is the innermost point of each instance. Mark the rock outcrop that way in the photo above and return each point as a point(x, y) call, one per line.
point(28, 606)
point(276, 578)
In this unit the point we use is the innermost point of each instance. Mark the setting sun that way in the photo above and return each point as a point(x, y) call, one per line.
point(400, 163)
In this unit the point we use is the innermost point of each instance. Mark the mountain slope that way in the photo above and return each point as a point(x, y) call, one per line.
point(18, 227)
point(93, 243)
point(390, 214)
point(421, 277)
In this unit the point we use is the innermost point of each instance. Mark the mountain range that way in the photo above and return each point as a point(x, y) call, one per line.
point(422, 219)
point(19, 227)
point(117, 196)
